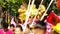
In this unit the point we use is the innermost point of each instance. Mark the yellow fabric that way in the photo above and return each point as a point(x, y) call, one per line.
point(57, 28)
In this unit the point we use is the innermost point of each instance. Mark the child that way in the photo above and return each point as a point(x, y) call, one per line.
point(40, 27)
point(12, 27)
point(18, 30)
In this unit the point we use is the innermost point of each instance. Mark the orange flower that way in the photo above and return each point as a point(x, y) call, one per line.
point(58, 4)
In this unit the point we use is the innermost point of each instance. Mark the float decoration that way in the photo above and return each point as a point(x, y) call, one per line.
point(57, 28)
point(58, 4)
point(53, 18)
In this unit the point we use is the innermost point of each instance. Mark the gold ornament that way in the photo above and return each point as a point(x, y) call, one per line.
point(42, 9)
point(33, 10)
point(22, 13)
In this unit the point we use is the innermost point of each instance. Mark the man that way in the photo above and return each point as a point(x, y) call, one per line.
point(40, 27)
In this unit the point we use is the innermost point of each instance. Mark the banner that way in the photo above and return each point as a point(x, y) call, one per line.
point(53, 18)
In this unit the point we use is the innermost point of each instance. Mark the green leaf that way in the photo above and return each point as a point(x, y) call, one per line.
point(0, 0)
point(13, 1)
point(7, 1)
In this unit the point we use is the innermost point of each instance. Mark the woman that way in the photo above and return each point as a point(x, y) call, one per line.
point(18, 30)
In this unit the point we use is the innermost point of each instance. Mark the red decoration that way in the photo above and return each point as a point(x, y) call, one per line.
point(58, 4)
point(53, 18)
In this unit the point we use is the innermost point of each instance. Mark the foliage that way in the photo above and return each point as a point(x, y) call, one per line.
point(52, 7)
point(11, 5)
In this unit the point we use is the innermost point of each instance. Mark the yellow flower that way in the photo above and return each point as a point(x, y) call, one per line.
point(33, 6)
point(22, 16)
point(42, 8)
point(33, 10)
point(22, 10)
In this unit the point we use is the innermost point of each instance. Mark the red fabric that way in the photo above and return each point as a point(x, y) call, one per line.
point(53, 18)
point(58, 3)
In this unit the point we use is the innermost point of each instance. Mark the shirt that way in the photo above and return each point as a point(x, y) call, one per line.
point(8, 32)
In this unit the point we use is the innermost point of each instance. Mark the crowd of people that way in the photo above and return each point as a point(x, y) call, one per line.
point(38, 29)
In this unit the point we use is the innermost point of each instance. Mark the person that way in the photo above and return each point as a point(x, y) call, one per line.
point(5, 29)
point(12, 27)
point(18, 29)
point(40, 27)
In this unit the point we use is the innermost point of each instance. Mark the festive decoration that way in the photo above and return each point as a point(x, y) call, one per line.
point(58, 4)
point(57, 28)
point(48, 28)
point(36, 16)
point(22, 11)
point(39, 12)
point(42, 8)
point(34, 10)
point(53, 18)
point(27, 16)
point(47, 9)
